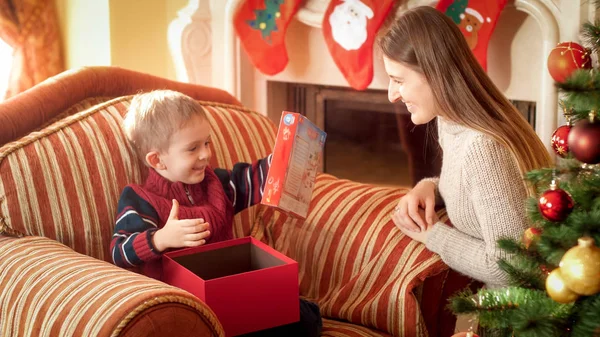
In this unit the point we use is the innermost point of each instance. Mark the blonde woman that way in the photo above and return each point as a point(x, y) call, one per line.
point(487, 145)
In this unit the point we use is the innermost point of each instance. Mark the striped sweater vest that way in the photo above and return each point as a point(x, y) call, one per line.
point(194, 202)
point(144, 209)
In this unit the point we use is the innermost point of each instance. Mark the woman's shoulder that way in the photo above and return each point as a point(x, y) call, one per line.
point(487, 158)
point(484, 146)
point(474, 142)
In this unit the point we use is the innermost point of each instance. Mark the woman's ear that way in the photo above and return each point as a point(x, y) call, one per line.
point(153, 160)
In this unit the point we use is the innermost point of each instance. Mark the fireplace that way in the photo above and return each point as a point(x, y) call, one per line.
point(369, 139)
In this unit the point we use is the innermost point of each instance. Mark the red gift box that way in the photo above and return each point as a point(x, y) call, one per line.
point(297, 156)
point(247, 284)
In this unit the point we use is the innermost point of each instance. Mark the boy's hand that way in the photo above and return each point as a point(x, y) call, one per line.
point(180, 233)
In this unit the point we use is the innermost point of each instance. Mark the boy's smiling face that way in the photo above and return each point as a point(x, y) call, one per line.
point(188, 154)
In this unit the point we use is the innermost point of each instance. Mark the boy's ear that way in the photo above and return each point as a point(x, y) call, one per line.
point(153, 160)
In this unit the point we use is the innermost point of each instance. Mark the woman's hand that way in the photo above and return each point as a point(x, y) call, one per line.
point(407, 215)
point(417, 236)
point(421, 235)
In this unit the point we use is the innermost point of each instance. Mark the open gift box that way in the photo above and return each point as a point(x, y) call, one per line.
point(249, 285)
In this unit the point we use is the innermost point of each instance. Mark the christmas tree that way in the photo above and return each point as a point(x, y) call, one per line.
point(555, 269)
point(265, 18)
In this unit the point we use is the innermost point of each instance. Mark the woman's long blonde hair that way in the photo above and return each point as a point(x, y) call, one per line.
point(428, 41)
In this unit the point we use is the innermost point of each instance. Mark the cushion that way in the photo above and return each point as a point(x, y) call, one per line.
point(352, 260)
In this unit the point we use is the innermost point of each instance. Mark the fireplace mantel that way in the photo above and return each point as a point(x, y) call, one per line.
point(557, 20)
point(312, 12)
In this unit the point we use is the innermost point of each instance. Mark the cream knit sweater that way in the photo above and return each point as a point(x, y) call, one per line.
point(481, 187)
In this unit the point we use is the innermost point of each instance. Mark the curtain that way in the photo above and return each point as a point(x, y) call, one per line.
point(31, 28)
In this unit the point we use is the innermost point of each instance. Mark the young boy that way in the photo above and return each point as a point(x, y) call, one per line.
point(183, 202)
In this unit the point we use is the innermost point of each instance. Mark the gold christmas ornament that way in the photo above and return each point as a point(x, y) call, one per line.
point(580, 267)
point(556, 288)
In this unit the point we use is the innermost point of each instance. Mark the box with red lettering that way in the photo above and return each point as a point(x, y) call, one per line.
point(297, 157)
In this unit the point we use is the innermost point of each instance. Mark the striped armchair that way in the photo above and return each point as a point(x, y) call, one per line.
point(63, 162)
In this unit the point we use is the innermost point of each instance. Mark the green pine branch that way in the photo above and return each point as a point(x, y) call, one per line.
point(584, 220)
point(555, 241)
point(533, 211)
point(528, 312)
point(590, 35)
point(530, 256)
point(582, 80)
point(525, 267)
point(506, 332)
point(582, 93)
point(588, 323)
point(524, 274)
point(512, 246)
point(540, 179)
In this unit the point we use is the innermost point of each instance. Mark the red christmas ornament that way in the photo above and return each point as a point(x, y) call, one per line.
point(567, 57)
point(530, 236)
point(559, 140)
point(584, 141)
point(555, 204)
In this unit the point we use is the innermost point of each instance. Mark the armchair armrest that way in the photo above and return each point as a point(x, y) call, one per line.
point(47, 289)
point(352, 259)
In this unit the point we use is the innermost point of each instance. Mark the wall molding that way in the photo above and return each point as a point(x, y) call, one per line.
point(190, 43)
point(547, 16)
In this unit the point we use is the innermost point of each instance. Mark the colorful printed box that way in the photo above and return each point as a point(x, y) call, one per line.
point(297, 156)
point(247, 284)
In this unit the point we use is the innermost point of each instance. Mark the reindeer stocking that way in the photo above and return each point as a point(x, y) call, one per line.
point(476, 19)
point(261, 26)
point(349, 28)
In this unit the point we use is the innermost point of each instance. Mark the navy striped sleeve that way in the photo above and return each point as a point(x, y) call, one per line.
point(245, 183)
point(136, 222)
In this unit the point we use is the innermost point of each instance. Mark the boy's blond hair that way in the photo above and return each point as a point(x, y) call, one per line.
point(153, 117)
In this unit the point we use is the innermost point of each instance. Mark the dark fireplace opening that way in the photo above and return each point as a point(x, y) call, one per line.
point(375, 142)
point(369, 139)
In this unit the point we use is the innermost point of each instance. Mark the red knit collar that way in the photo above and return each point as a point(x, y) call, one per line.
point(159, 185)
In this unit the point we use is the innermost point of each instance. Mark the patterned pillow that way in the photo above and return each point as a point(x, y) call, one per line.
point(64, 181)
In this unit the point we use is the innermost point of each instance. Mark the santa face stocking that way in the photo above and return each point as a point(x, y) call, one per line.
point(476, 20)
point(349, 28)
point(261, 27)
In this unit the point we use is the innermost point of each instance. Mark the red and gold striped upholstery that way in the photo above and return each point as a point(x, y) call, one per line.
point(60, 185)
point(336, 328)
point(49, 290)
point(352, 260)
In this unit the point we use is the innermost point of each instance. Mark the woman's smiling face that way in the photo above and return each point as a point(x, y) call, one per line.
point(410, 87)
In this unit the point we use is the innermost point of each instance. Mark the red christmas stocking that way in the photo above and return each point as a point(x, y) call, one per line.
point(349, 28)
point(261, 27)
point(476, 19)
